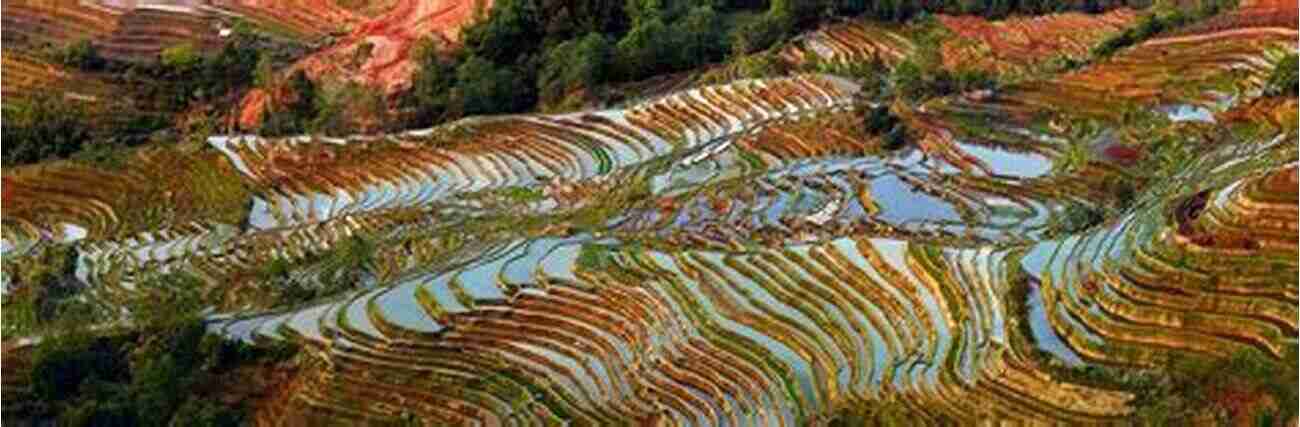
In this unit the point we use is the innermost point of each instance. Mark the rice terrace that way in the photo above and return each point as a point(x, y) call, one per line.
point(650, 212)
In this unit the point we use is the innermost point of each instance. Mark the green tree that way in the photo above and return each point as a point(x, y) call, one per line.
point(851, 7)
point(81, 55)
point(574, 64)
point(431, 87)
point(348, 108)
point(761, 33)
point(182, 57)
point(878, 120)
point(264, 72)
point(645, 50)
point(908, 79)
point(303, 107)
point(232, 67)
point(487, 88)
point(800, 12)
point(895, 139)
point(205, 413)
point(512, 32)
point(642, 11)
point(590, 16)
point(42, 127)
point(64, 362)
point(298, 114)
point(155, 384)
point(700, 37)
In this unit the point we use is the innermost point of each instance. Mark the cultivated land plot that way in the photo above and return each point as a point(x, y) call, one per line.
point(745, 252)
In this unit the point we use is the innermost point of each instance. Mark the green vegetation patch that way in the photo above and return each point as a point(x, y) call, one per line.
point(334, 272)
point(1283, 80)
point(43, 284)
point(156, 373)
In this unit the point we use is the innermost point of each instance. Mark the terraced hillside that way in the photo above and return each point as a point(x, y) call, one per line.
point(126, 31)
point(27, 75)
point(1018, 42)
point(1076, 246)
point(137, 31)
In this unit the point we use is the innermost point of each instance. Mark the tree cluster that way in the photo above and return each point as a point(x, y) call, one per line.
point(881, 122)
point(152, 373)
point(553, 53)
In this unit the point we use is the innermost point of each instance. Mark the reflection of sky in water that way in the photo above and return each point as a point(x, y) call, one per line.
point(357, 317)
point(400, 307)
point(270, 327)
point(1044, 336)
point(899, 204)
point(480, 280)
point(1188, 113)
point(559, 263)
point(307, 322)
point(1024, 165)
point(440, 289)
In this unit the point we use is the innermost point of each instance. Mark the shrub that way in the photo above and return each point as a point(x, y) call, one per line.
point(594, 257)
point(487, 88)
point(348, 108)
point(510, 34)
point(298, 114)
point(761, 33)
point(1283, 80)
point(700, 38)
point(431, 88)
point(152, 374)
point(758, 66)
point(895, 139)
point(522, 194)
point(44, 284)
point(44, 127)
point(180, 57)
point(341, 268)
point(81, 55)
point(879, 120)
point(575, 64)
point(355, 253)
point(645, 50)
point(166, 299)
